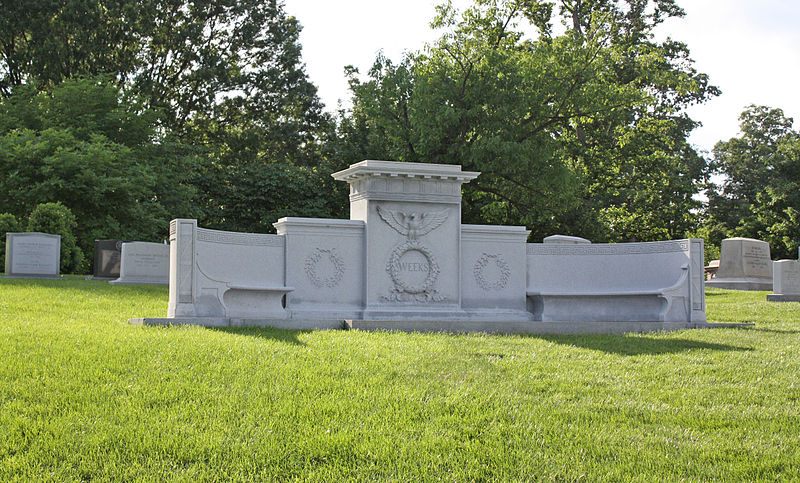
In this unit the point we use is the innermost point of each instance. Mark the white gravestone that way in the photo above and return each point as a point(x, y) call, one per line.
point(144, 263)
point(33, 255)
point(786, 281)
point(745, 264)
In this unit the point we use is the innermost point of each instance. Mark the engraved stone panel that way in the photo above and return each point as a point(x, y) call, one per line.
point(144, 263)
point(787, 277)
point(608, 248)
point(414, 270)
point(234, 238)
point(325, 266)
point(33, 254)
point(493, 265)
point(744, 264)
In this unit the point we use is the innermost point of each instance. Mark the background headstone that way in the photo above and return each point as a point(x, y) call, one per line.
point(565, 239)
point(786, 281)
point(107, 255)
point(144, 263)
point(745, 264)
point(33, 255)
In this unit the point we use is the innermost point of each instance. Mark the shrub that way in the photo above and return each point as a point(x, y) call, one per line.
point(57, 219)
point(8, 223)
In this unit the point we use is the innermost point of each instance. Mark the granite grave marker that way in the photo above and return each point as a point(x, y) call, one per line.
point(33, 255)
point(745, 264)
point(144, 263)
point(107, 255)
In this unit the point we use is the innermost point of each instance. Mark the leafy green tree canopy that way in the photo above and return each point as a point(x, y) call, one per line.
point(84, 145)
point(581, 132)
point(759, 196)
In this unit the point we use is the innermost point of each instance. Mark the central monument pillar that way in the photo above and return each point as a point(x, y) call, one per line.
point(412, 213)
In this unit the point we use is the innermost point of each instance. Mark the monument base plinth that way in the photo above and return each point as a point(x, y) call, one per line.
point(776, 297)
point(294, 324)
point(740, 284)
point(519, 327)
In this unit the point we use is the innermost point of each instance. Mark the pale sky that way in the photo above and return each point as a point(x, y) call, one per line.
point(750, 49)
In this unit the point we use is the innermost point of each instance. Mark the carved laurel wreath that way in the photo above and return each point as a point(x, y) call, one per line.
point(480, 268)
point(311, 267)
point(393, 267)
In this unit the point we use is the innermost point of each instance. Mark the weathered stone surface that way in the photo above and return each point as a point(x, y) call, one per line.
point(328, 277)
point(631, 282)
point(144, 263)
point(404, 261)
point(225, 274)
point(745, 264)
point(785, 281)
point(33, 255)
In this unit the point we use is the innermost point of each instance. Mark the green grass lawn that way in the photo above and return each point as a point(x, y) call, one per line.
point(84, 395)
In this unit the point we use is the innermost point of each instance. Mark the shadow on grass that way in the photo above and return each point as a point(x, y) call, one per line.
point(773, 331)
point(287, 336)
point(628, 345)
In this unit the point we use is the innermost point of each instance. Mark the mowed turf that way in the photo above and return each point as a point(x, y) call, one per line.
point(84, 395)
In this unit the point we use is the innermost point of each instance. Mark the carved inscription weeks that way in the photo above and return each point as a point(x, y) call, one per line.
point(491, 272)
point(412, 266)
point(324, 267)
point(413, 270)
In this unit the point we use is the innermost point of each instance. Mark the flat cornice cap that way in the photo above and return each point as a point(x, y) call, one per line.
point(371, 167)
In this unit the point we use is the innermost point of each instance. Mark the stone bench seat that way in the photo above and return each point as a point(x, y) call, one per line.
point(260, 288)
point(639, 282)
point(255, 301)
point(641, 305)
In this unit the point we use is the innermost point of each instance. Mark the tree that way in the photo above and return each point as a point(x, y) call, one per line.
point(223, 76)
point(8, 224)
point(581, 133)
point(83, 145)
point(221, 73)
point(758, 195)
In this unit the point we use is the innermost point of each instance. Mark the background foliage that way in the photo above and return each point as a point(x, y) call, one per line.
point(133, 113)
point(583, 132)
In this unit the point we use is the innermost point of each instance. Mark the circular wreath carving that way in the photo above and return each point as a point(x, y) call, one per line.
point(311, 267)
point(393, 267)
point(479, 270)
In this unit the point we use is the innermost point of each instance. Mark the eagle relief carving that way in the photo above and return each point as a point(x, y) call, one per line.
point(412, 266)
point(413, 225)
